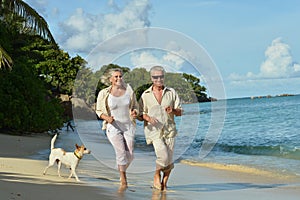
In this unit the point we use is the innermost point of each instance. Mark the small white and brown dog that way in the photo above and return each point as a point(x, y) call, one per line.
point(70, 159)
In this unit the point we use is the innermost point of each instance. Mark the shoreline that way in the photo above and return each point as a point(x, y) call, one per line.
point(21, 178)
point(268, 173)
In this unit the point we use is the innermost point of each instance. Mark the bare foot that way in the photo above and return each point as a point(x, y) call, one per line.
point(165, 180)
point(156, 181)
point(123, 179)
point(123, 182)
point(122, 188)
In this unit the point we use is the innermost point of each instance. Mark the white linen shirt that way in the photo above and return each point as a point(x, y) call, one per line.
point(148, 100)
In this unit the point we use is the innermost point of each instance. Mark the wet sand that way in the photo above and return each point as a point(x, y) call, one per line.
point(21, 178)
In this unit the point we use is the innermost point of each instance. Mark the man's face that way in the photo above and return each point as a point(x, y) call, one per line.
point(157, 77)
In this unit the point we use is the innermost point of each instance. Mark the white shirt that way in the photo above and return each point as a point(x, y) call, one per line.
point(119, 108)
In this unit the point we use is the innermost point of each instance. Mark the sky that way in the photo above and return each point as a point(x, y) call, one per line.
point(253, 46)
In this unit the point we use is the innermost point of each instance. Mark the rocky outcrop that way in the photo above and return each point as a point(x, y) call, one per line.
point(81, 110)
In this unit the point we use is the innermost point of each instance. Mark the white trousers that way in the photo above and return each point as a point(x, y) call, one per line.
point(164, 150)
point(123, 144)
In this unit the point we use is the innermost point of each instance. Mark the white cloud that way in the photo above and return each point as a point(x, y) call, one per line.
point(38, 5)
point(297, 68)
point(147, 59)
point(134, 46)
point(77, 31)
point(83, 31)
point(278, 74)
point(178, 50)
point(175, 59)
point(144, 59)
point(278, 64)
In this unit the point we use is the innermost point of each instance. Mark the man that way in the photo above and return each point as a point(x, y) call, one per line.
point(159, 104)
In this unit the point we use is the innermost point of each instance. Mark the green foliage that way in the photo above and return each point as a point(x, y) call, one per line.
point(188, 91)
point(85, 85)
point(25, 105)
point(198, 90)
point(137, 78)
point(19, 17)
point(58, 69)
point(139, 91)
point(182, 87)
point(5, 59)
point(16, 11)
point(187, 86)
point(41, 72)
point(88, 83)
point(29, 92)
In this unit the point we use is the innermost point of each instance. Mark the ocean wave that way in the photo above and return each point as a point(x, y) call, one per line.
point(277, 150)
point(283, 151)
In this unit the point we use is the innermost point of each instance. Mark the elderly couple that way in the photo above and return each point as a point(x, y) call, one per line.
point(118, 107)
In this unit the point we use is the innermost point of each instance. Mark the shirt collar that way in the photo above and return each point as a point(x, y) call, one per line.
point(150, 89)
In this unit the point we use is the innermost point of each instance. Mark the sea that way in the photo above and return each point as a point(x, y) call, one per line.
point(259, 133)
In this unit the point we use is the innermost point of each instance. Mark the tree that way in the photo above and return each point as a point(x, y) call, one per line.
point(33, 24)
point(30, 89)
point(138, 77)
point(182, 86)
point(58, 69)
point(25, 104)
point(197, 88)
point(88, 84)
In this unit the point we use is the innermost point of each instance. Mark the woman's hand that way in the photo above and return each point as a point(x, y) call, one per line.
point(109, 119)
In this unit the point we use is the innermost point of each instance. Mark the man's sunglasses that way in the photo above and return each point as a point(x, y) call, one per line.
point(156, 77)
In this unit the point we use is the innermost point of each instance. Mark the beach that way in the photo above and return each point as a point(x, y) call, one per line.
point(21, 178)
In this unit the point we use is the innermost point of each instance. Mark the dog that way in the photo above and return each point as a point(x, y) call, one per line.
point(70, 159)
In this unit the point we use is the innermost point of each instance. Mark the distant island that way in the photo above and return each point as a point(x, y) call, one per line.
point(270, 96)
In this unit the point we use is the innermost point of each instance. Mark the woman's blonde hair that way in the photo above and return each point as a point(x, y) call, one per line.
point(105, 78)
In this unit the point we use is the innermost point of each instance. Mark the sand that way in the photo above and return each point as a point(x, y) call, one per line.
point(21, 178)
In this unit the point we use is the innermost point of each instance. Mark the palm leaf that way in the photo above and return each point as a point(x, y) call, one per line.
point(5, 59)
point(33, 20)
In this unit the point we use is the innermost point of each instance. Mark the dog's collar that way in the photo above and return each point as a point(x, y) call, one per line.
point(77, 155)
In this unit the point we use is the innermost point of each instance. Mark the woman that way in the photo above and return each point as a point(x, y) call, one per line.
point(118, 108)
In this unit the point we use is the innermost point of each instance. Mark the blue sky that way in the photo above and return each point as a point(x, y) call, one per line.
point(254, 44)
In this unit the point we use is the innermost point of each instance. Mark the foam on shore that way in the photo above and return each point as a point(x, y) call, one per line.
point(238, 168)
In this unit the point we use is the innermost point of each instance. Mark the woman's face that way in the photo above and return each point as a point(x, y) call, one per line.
point(116, 78)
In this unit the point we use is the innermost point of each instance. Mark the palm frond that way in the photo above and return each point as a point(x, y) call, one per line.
point(32, 19)
point(5, 59)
